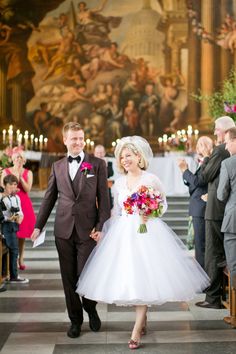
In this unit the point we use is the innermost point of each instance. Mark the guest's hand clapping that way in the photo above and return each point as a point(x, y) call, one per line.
point(182, 164)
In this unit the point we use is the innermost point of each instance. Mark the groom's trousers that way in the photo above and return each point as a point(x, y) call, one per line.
point(73, 254)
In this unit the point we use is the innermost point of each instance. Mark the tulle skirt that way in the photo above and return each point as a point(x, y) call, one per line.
point(129, 268)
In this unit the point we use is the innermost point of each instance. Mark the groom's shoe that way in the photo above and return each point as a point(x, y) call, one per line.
point(94, 321)
point(74, 330)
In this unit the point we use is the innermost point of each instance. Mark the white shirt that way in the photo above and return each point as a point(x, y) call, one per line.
point(74, 165)
point(11, 201)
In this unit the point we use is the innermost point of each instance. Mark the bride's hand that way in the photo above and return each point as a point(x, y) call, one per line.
point(145, 218)
point(96, 235)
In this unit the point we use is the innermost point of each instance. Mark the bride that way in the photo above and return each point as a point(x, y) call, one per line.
point(139, 269)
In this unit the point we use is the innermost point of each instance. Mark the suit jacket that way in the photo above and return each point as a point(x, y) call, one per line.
point(226, 192)
point(197, 206)
point(110, 171)
point(210, 174)
point(82, 203)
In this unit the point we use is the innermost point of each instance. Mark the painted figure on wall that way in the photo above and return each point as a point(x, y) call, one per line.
point(83, 72)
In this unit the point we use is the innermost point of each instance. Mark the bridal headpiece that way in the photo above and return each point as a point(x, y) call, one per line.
point(139, 145)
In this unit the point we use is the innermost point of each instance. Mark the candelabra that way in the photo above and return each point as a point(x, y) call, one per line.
point(24, 139)
point(182, 140)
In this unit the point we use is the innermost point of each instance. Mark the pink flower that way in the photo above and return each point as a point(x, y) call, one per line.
point(85, 167)
point(146, 201)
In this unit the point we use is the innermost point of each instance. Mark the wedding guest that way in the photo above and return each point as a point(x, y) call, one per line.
point(214, 248)
point(79, 183)
point(140, 269)
point(226, 192)
point(100, 152)
point(25, 178)
point(197, 206)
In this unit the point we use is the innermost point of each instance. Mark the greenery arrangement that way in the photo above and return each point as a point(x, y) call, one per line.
point(5, 159)
point(222, 102)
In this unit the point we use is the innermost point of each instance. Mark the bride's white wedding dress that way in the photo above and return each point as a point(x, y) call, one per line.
point(128, 268)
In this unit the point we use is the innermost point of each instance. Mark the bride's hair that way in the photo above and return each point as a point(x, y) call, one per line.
point(139, 146)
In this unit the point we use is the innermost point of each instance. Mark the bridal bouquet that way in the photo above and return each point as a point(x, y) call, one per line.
point(145, 202)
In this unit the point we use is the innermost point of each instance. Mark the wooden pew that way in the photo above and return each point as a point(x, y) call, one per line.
point(229, 296)
point(4, 257)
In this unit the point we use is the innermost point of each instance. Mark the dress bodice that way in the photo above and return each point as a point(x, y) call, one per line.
point(121, 190)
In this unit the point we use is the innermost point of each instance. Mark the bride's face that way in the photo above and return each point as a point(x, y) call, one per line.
point(129, 160)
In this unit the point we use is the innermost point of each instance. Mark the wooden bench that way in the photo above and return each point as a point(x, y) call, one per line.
point(4, 260)
point(229, 296)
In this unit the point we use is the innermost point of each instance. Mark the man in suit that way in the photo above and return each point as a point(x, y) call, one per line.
point(214, 248)
point(197, 206)
point(100, 152)
point(226, 192)
point(79, 183)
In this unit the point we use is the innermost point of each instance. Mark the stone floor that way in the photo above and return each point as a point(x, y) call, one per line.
point(33, 320)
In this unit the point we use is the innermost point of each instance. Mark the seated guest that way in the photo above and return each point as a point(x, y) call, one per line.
point(100, 152)
point(197, 206)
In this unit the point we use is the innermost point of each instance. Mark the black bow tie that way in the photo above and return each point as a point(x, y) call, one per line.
point(77, 158)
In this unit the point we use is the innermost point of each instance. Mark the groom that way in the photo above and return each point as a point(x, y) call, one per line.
point(79, 183)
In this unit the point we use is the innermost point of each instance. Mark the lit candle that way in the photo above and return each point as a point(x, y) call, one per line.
point(36, 140)
point(17, 134)
point(32, 141)
point(160, 141)
point(178, 133)
point(26, 139)
point(19, 140)
point(165, 139)
point(4, 136)
point(45, 140)
point(92, 145)
point(189, 131)
point(113, 144)
point(88, 143)
point(10, 135)
point(41, 142)
point(196, 132)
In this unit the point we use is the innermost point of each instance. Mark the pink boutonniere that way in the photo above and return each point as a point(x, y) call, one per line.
point(85, 167)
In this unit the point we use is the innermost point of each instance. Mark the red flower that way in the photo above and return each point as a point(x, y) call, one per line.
point(85, 167)
point(146, 201)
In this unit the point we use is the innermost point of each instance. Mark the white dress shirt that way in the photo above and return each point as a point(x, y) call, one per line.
point(75, 165)
point(11, 201)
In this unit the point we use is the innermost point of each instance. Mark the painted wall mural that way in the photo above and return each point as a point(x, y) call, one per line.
point(104, 68)
point(104, 63)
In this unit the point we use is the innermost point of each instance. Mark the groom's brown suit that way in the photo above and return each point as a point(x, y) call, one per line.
point(83, 204)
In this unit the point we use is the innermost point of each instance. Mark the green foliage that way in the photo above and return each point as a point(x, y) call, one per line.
point(5, 161)
point(217, 100)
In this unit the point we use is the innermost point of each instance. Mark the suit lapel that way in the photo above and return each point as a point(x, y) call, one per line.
point(80, 178)
point(66, 176)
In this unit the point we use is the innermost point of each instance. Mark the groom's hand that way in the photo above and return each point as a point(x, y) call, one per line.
point(96, 235)
point(35, 234)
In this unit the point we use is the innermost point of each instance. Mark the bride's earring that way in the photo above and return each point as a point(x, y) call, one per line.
point(140, 164)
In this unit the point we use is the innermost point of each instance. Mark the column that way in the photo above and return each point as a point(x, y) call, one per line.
point(194, 77)
point(175, 51)
point(226, 58)
point(207, 62)
point(3, 89)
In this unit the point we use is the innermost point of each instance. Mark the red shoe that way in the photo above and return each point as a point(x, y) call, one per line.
point(22, 267)
point(134, 344)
